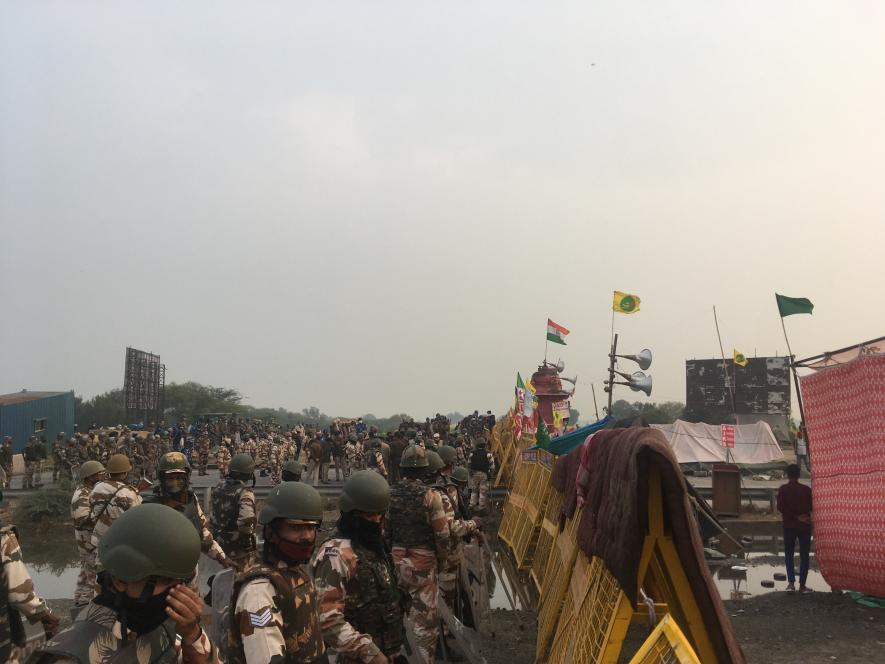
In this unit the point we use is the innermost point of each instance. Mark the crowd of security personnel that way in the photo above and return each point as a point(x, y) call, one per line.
point(344, 447)
point(396, 549)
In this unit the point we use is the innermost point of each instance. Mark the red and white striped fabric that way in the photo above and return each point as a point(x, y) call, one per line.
point(845, 410)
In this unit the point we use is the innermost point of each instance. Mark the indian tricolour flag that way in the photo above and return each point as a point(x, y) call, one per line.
point(556, 333)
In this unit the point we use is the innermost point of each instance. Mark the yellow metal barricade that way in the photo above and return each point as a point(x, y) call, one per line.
point(561, 561)
point(600, 616)
point(514, 507)
point(547, 532)
point(666, 645)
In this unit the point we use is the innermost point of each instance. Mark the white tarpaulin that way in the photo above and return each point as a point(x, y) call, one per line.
point(702, 443)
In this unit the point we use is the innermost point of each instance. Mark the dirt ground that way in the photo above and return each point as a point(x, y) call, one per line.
point(781, 628)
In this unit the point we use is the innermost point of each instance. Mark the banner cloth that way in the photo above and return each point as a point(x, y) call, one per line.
point(702, 443)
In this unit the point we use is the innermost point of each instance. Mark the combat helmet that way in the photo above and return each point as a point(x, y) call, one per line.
point(292, 500)
point(293, 467)
point(150, 540)
point(90, 468)
point(118, 463)
point(434, 462)
point(414, 456)
point(448, 454)
point(366, 491)
point(243, 464)
point(460, 475)
point(173, 462)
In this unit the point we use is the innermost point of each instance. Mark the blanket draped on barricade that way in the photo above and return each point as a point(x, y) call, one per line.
point(845, 417)
point(620, 547)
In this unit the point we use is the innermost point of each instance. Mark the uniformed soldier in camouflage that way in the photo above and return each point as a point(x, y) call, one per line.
point(459, 526)
point(223, 457)
point(91, 473)
point(32, 459)
point(173, 490)
point(420, 535)
point(360, 601)
point(233, 512)
point(276, 462)
point(58, 456)
point(276, 617)
point(6, 460)
point(18, 598)
point(482, 465)
point(111, 497)
point(144, 612)
point(203, 455)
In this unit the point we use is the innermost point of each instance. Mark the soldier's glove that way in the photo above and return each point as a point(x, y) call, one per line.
point(50, 624)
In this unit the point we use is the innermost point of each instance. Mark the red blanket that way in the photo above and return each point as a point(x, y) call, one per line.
point(845, 411)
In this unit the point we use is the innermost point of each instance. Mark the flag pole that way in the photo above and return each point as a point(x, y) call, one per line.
point(795, 377)
point(727, 380)
point(595, 407)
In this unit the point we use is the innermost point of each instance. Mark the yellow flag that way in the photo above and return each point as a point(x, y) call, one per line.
point(529, 386)
point(739, 358)
point(624, 303)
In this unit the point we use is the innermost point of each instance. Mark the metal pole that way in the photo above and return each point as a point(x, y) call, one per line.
point(795, 378)
point(611, 371)
point(595, 407)
point(727, 381)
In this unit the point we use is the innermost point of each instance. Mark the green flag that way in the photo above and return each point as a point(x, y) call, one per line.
point(542, 437)
point(787, 306)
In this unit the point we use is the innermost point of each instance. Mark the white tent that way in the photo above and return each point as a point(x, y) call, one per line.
point(702, 443)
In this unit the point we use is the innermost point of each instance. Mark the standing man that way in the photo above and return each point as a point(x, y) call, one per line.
point(421, 538)
point(356, 580)
point(223, 457)
point(91, 473)
point(338, 457)
point(802, 448)
point(173, 490)
point(314, 459)
point(482, 464)
point(31, 456)
point(6, 460)
point(111, 497)
point(276, 616)
point(794, 504)
point(233, 512)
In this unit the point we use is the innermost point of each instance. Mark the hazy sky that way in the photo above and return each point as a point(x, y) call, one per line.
point(375, 206)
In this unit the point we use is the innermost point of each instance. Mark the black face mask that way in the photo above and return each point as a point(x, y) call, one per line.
point(145, 616)
point(365, 532)
point(141, 615)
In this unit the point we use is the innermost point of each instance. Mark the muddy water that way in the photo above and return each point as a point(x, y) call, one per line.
point(741, 576)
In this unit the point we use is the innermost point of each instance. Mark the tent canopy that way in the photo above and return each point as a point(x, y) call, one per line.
point(702, 443)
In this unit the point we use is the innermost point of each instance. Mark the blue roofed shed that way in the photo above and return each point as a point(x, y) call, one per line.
point(25, 414)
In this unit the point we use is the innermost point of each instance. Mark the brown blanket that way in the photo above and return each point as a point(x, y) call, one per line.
point(615, 519)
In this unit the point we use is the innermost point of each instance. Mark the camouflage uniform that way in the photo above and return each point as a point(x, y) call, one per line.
point(6, 462)
point(31, 456)
point(482, 466)
point(233, 521)
point(276, 464)
point(96, 637)
point(202, 455)
point(81, 515)
point(222, 458)
point(360, 612)
point(18, 589)
point(276, 617)
point(262, 455)
point(459, 529)
point(421, 539)
point(107, 501)
point(59, 458)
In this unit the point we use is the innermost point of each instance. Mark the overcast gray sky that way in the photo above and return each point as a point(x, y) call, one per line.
point(374, 207)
